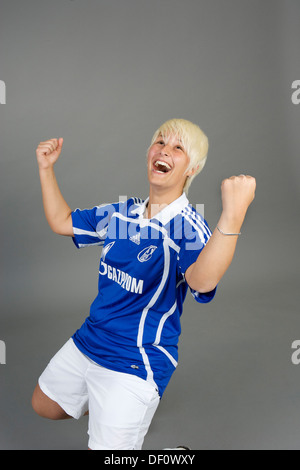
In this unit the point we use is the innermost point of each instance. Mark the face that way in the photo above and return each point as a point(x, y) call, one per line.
point(167, 163)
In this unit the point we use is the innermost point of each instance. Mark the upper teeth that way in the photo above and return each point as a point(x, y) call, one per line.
point(159, 162)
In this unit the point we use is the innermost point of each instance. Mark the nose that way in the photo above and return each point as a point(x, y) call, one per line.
point(166, 150)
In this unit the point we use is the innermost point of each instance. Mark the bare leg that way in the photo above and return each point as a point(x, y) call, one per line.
point(45, 407)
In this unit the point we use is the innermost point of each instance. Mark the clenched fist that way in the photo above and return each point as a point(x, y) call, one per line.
point(48, 152)
point(237, 194)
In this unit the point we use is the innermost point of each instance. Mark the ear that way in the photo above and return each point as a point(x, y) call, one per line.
point(192, 171)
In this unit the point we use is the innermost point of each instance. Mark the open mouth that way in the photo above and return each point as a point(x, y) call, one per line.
point(162, 167)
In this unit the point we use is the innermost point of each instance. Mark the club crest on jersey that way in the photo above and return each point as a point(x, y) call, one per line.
point(146, 253)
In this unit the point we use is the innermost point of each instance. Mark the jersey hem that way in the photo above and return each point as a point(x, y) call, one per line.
point(109, 365)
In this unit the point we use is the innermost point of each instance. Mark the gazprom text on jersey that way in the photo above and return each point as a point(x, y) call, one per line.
point(127, 282)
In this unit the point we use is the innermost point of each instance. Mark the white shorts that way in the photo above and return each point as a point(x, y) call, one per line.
point(121, 406)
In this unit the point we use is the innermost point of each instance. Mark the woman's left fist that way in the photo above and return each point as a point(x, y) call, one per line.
point(237, 194)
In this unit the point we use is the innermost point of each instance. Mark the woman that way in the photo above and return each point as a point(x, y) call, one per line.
point(117, 365)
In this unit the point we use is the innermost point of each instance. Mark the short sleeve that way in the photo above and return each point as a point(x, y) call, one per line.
point(196, 234)
point(90, 225)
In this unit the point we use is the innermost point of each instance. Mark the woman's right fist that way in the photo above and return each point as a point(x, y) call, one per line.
point(48, 152)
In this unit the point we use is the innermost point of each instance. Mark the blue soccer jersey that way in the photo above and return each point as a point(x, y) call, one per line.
point(134, 322)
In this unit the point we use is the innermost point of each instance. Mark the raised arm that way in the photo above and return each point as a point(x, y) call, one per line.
point(237, 194)
point(57, 211)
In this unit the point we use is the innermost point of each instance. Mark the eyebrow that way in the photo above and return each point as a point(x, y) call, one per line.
point(161, 137)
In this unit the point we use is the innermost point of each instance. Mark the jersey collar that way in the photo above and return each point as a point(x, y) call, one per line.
point(167, 213)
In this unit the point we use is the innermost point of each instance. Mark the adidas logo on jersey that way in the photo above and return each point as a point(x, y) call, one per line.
point(136, 238)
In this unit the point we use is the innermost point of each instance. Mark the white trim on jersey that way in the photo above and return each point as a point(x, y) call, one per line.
point(162, 322)
point(175, 363)
point(82, 245)
point(147, 222)
point(150, 305)
point(159, 331)
point(168, 242)
point(196, 217)
point(98, 235)
point(196, 226)
point(79, 231)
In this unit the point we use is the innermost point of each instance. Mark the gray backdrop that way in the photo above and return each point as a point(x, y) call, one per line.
point(104, 75)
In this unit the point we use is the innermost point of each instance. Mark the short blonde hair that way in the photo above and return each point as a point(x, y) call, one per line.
point(193, 139)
